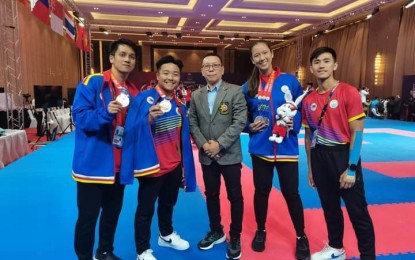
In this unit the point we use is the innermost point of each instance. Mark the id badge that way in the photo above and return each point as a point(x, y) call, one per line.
point(314, 139)
point(118, 134)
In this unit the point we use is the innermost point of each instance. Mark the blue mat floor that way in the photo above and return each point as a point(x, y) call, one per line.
point(38, 200)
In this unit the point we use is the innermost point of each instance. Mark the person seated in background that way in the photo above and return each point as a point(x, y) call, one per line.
point(374, 109)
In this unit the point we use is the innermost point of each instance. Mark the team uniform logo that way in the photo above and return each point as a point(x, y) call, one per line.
point(224, 108)
point(150, 100)
point(334, 103)
point(313, 107)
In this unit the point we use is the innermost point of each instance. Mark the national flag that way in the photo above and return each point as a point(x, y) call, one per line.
point(56, 16)
point(40, 8)
point(86, 45)
point(69, 26)
point(80, 30)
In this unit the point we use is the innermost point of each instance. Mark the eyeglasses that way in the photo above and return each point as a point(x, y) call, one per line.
point(213, 66)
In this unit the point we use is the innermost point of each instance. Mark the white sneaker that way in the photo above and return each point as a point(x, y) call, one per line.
point(174, 241)
point(328, 253)
point(146, 255)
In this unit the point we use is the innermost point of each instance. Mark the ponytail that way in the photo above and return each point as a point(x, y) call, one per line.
point(253, 83)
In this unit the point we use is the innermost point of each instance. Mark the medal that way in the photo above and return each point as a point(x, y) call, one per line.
point(165, 105)
point(261, 118)
point(123, 99)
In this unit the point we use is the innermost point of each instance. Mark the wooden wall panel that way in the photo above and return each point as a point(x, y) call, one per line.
point(47, 57)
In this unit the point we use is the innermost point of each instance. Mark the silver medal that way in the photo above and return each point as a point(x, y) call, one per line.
point(123, 99)
point(165, 105)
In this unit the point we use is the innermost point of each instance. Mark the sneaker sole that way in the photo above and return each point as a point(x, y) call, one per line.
point(220, 240)
point(239, 256)
point(161, 242)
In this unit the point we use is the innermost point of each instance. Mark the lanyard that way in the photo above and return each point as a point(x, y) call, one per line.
point(121, 87)
point(323, 111)
point(265, 92)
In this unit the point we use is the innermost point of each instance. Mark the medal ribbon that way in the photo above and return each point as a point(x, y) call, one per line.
point(264, 93)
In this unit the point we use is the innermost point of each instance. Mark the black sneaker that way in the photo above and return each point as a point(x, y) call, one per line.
point(302, 250)
point(258, 244)
point(212, 238)
point(106, 256)
point(234, 248)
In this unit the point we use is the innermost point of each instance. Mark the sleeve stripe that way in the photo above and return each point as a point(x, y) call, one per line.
point(357, 117)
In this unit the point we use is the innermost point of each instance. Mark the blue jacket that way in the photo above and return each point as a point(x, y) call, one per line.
point(93, 160)
point(259, 143)
point(139, 156)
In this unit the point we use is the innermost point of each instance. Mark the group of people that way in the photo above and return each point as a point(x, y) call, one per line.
point(114, 121)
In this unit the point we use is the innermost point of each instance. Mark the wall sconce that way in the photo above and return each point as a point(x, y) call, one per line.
point(379, 70)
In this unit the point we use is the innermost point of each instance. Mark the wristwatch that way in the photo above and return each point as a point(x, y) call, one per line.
point(353, 167)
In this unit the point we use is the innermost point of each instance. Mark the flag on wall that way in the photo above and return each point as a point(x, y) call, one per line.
point(56, 16)
point(40, 8)
point(80, 30)
point(69, 26)
point(86, 45)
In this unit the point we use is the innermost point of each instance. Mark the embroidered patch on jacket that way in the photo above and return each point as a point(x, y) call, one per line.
point(224, 108)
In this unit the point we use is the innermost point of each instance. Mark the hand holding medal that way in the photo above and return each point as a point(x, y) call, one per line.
point(165, 105)
point(123, 99)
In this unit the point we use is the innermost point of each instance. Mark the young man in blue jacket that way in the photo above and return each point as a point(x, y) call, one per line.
point(99, 111)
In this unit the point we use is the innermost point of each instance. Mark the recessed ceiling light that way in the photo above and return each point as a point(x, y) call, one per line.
point(96, 8)
point(210, 5)
point(297, 20)
point(160, 12)
point(192, 29)
point(197, 22)
point(203, 15)
point(243, 17)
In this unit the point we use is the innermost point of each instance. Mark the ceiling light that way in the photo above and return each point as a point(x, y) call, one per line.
point(210, 5)
point(408, 5)
point(160, 12)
